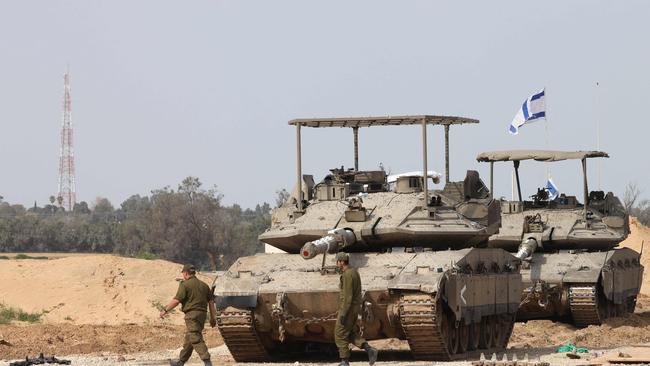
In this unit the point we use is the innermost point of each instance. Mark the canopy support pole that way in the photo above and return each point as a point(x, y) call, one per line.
point(299, 167)
point(425, 171)
point(491, 180)
point(516, 163)
point(355, 132)
point(585, 188)
point(446, 154)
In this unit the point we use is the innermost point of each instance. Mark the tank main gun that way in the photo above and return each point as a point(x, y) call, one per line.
point(526, 248)
point(334, 241)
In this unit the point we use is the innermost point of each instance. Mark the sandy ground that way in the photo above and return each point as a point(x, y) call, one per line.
point(640, 237)
point(92, 289)
point(102, 310)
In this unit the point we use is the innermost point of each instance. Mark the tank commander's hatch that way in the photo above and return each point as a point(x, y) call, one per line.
point(356, 122)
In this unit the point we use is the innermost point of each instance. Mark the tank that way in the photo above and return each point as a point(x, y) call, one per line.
point(572, 268)
point(427, 274)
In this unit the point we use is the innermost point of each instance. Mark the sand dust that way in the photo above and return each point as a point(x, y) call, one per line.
point(92, 289)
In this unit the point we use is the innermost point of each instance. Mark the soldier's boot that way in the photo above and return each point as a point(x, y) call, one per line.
point(176, 363)
point(344, 362)
point(207, 362)
point(372, 353)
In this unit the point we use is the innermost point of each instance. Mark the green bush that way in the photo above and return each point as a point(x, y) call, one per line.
point(8, 314)
point(147, 256)
point(4, 257)
point(25, 256)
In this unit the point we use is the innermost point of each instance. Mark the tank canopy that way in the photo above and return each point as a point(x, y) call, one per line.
point(539, 155)
point(356, 122)
point(516, 156)
point(381, 121)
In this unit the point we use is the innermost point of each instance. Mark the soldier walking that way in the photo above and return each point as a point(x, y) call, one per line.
point(346, 331)
point(195, 297)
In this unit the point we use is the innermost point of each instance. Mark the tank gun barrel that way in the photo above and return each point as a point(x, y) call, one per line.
point(335, 240)
point(526, 248)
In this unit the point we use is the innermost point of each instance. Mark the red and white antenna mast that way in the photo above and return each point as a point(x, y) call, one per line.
point(67, 191)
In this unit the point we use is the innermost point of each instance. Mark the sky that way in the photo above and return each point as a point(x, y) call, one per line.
point(162, 90)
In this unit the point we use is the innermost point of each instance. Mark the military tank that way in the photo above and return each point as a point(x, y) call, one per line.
point(571, 266)
point(427, 275)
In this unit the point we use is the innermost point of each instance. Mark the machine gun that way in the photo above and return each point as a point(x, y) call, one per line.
point(40, 360)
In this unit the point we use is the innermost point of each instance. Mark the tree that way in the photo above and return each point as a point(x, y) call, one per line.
point(630, 196)
point(642, 212)
point(281, 197)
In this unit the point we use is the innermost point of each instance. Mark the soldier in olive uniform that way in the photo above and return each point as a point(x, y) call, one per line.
point(346, 331)
point(195, 297)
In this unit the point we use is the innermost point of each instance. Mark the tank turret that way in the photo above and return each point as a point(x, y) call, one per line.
point(553, 230)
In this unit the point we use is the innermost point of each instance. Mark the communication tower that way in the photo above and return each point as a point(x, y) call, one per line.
point(66, 196)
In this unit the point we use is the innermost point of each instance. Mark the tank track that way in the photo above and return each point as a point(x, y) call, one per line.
point(419, 317)
point(424, 322)
point(237, 327)
point(583, 301)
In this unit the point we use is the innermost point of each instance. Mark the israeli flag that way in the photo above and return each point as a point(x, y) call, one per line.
point(552, 189)
point(533, 109)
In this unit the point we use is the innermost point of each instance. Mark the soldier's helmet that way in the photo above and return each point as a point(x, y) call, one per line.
point(189, 268)
point(342, 256)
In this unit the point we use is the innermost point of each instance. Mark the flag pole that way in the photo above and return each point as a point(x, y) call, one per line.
point(598, 128)
point(548, 170)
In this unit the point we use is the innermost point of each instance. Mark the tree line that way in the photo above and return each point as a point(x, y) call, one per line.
point(189, 224)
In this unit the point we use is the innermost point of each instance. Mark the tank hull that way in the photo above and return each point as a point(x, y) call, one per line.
point(585, 287)
point(434, 300)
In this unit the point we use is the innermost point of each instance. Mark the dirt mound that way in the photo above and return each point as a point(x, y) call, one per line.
point(621, 331)
point(640, 236)
point(66, 339)
point(92, 289)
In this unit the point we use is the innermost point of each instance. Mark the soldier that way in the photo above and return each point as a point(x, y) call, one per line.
point(195, 296)
point(345, 331)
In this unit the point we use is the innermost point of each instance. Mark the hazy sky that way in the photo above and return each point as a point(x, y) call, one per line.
point(166, 89)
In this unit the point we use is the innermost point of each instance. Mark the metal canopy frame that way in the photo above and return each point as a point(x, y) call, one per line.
point(356, 122)
point(516, 156)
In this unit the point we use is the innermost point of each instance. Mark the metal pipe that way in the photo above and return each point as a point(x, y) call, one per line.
point(355, 131)
point(585, 187)
point(446, 153)
point(425, 170)
point(334, 241)
point(299, 167)
point(491, 180)
point(526, 248)
point(516, 163)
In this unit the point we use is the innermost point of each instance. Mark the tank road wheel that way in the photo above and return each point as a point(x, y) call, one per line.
point(453, 340)
point(506, 324)
point(485, 341)
point(449, 332)
point(631, 304)
point(497, 332)
point(474, 336)
point(463, 337)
